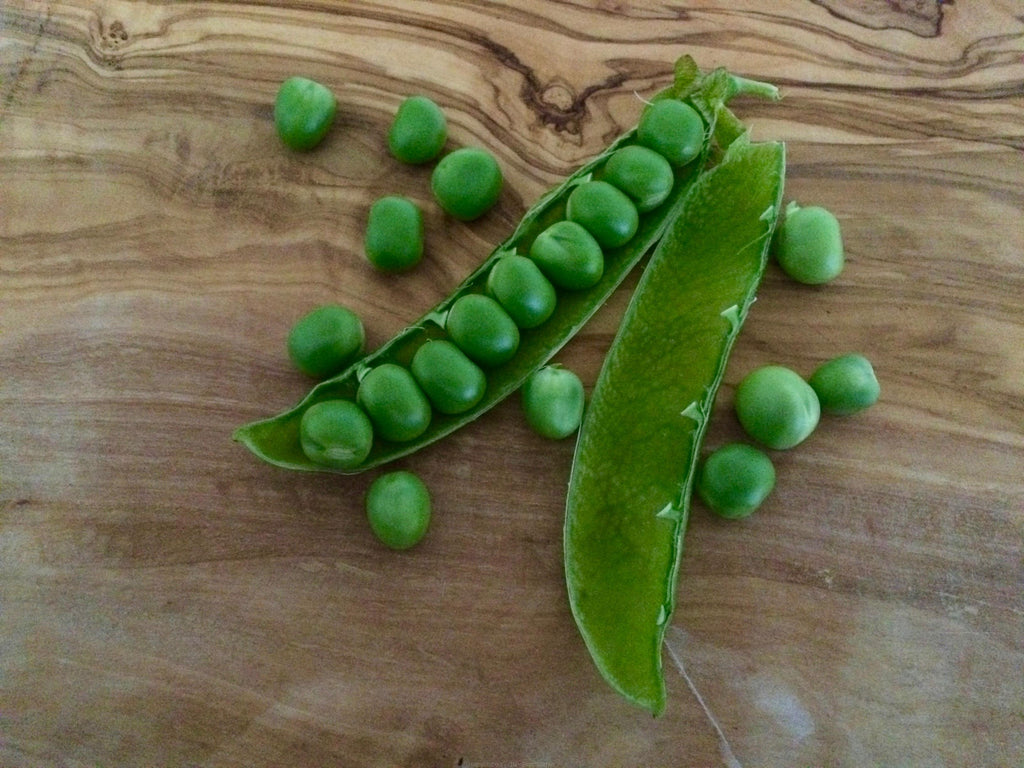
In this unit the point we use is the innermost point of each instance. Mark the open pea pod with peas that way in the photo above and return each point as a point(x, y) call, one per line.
point(585, 236)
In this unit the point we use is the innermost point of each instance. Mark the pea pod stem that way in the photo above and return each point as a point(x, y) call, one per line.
point(276, 439)
point(636, 456)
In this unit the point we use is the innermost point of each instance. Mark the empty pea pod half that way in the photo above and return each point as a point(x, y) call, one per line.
point(277, 439)
point(632, 478)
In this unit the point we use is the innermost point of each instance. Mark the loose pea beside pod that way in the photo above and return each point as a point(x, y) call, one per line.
point(845, 385)
point(452, 382)
point(776, 407)
point(518, 284)
point(398, 509)
point(394, 234)
point(606, 212)
point(336, 434)
point(395, 403)
point(553, 400)
point(735, 480)
point(809, 245)
point(467, 183)
point(482, 329)
point(673, 129)
point(418, 132)
point(644, 175)
point(326, 340)
point(303, 112)
point(569, 256)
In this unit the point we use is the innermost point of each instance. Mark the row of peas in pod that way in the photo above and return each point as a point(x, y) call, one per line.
point(395, 402)
point(775, 406)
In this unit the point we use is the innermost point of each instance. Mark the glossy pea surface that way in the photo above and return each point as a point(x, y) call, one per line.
point(303, 112)
point(845, 385)
point(418, 132)
point(777, 407)
point(326, 340)
point(518, 284)
point(735, 480)
point(395, 403)
point(553, 400)
point(673, 129)
point(809, 245)
point(605, 211)
point(482, 329)
point(398, 509)
point(568, 255)
point(336, 433)
point(643, 174)
point(452, 382)
point(467, 182)
point(394, 234)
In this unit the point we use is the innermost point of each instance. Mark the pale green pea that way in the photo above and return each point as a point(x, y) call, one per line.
point(451, 381)
point(418, 132)
point(809, 245)
point(644, 175)
point(303, 112)
point(326, 340)
point(467, 183)
point(673, 129)
point(336, 433)
point(398, 509)
point(553, 400)
point(482, 329)
point(735, 480)
point(521, 288)
point(569, 256)
point(395, 403)
point(394, 234)
point(845, 385)
point(604, 211)
point(776, 407)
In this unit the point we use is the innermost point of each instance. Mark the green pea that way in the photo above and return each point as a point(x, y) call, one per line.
point(809, 245)
point(644, 175)
point(604, 211)
point(845, 385)
point(735, 480)
point(398, 509)
point(452, 381)
point(553, 399)
point(394, 234)
point(521, 288)
point(397, 406)
point(418, 132)
point(303, 112)
point(673, 129)
point(777, 407)
point(336, 433)
point(467, 183)
point(326, 340)
point(482, 329)
point(569, 255)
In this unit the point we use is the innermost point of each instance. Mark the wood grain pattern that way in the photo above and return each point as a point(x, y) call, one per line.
point(167, 600)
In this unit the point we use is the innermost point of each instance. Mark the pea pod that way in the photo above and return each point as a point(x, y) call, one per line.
point(276, 439)
point(637, 451)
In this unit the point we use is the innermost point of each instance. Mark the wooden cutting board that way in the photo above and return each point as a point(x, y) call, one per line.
point(168, 600)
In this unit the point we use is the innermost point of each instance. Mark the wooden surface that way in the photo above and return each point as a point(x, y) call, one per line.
point(167, 600)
